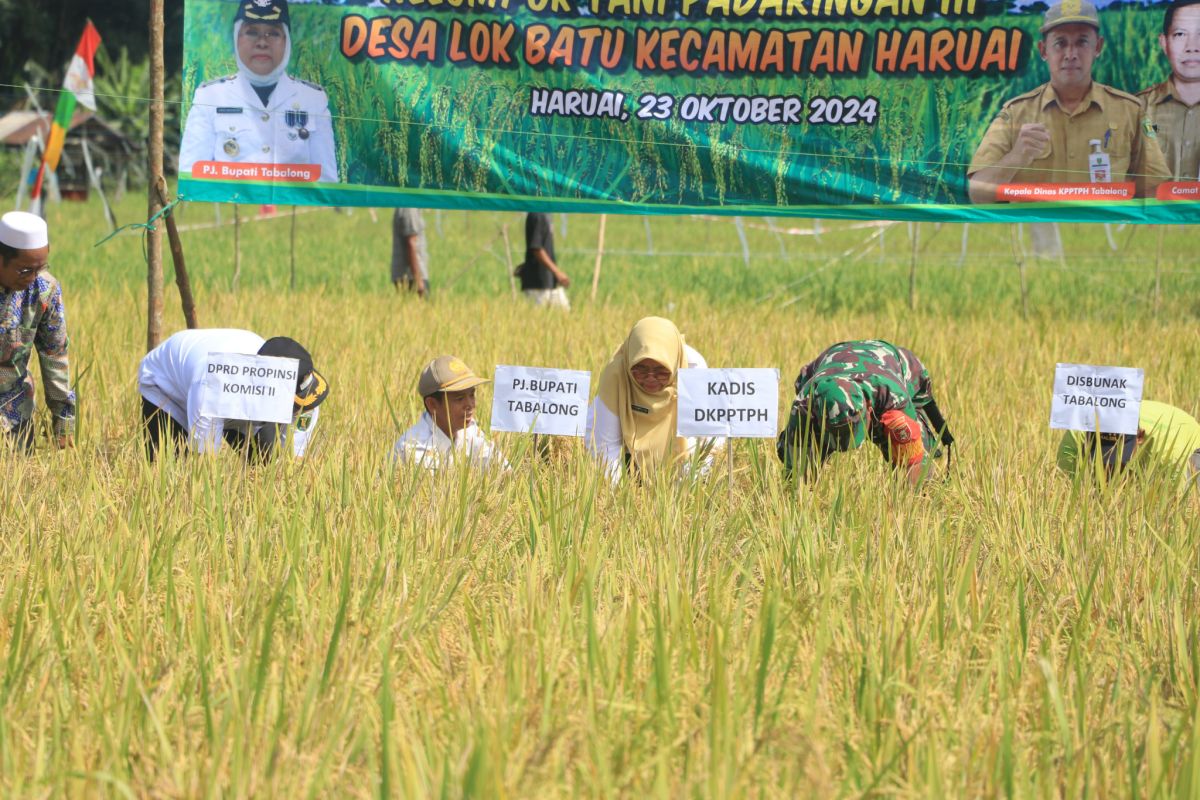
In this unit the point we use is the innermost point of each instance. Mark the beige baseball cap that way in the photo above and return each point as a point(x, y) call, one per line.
point(1069, 11)
point(447, 374)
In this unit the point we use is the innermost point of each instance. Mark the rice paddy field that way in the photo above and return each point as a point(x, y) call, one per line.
point(342, 627)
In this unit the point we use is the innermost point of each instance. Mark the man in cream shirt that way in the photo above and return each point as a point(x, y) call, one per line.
point(447, 432)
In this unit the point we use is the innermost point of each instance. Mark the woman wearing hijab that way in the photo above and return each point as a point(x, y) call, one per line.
point(632, 420)
point(260, 115)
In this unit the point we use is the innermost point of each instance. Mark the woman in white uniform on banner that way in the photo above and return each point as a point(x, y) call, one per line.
point(260, 115)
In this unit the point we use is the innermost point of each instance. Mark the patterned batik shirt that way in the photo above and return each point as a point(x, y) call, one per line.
point(35, 319)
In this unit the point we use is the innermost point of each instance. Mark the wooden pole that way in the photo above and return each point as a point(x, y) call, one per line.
point(181, 273)
point(1162, 235)
point(1019, 255)
point(512, 281)
point(154, 272)
point(94, 180)
point(741, 232)
point(729, 466)
point(600, 256)
point(292, 281)
point(912, 267)
point(237, 245)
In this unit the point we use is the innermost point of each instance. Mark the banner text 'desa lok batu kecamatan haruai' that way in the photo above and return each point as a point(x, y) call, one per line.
point(920, 109)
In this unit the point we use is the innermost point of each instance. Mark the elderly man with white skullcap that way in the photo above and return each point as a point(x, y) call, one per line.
point(31, 318)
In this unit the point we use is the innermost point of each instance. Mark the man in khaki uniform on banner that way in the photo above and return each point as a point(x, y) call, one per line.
point(1045, 136)
point(1174, 105)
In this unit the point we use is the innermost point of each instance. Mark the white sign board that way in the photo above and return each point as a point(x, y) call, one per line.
point(1089, 398)
point(738, 403)
point(537, 400)
point(250, 387)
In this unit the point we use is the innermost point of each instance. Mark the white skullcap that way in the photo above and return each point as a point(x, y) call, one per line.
point(23, 230)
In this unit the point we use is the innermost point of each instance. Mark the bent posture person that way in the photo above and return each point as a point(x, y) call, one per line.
point(260, 114)
point(171, 383)
point(32, 317)
point(447, 430)
point(632, 422)
point(1049, 134)
point(1167, 438)
point(864, 388)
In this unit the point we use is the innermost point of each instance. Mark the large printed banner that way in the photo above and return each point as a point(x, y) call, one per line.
point(905, 109)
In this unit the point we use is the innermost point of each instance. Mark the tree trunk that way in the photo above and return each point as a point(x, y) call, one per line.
point(154, 165)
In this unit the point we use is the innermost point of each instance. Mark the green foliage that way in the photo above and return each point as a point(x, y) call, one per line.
point(10, 171)
point(122, 99)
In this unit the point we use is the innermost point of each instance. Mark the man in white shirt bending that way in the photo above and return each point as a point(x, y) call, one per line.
point(171, 383)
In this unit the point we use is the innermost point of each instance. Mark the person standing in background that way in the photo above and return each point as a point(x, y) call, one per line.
point(542, 281)
point(410, 255)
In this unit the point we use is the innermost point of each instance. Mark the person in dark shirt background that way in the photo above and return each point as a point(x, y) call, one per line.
point(542, 281)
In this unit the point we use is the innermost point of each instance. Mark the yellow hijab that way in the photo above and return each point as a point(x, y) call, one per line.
point(648, 421)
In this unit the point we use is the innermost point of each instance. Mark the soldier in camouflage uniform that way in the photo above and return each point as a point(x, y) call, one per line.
point(31, 317)
point(858, 389)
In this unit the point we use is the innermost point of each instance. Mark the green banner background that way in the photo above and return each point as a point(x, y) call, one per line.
point(458, 136)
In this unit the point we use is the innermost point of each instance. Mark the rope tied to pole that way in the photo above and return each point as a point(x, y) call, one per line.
point(146, 226)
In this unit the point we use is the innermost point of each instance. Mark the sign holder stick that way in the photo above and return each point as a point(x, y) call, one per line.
point(729, 465)
point(1014, 233)
point(292, 277)
point(512, 283)
point(237, 245)
point(94, 180)
point(912, 267)
point(599, 256)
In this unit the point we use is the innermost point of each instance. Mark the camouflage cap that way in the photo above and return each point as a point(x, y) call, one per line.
point(1071, 11)
point(838, 408)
